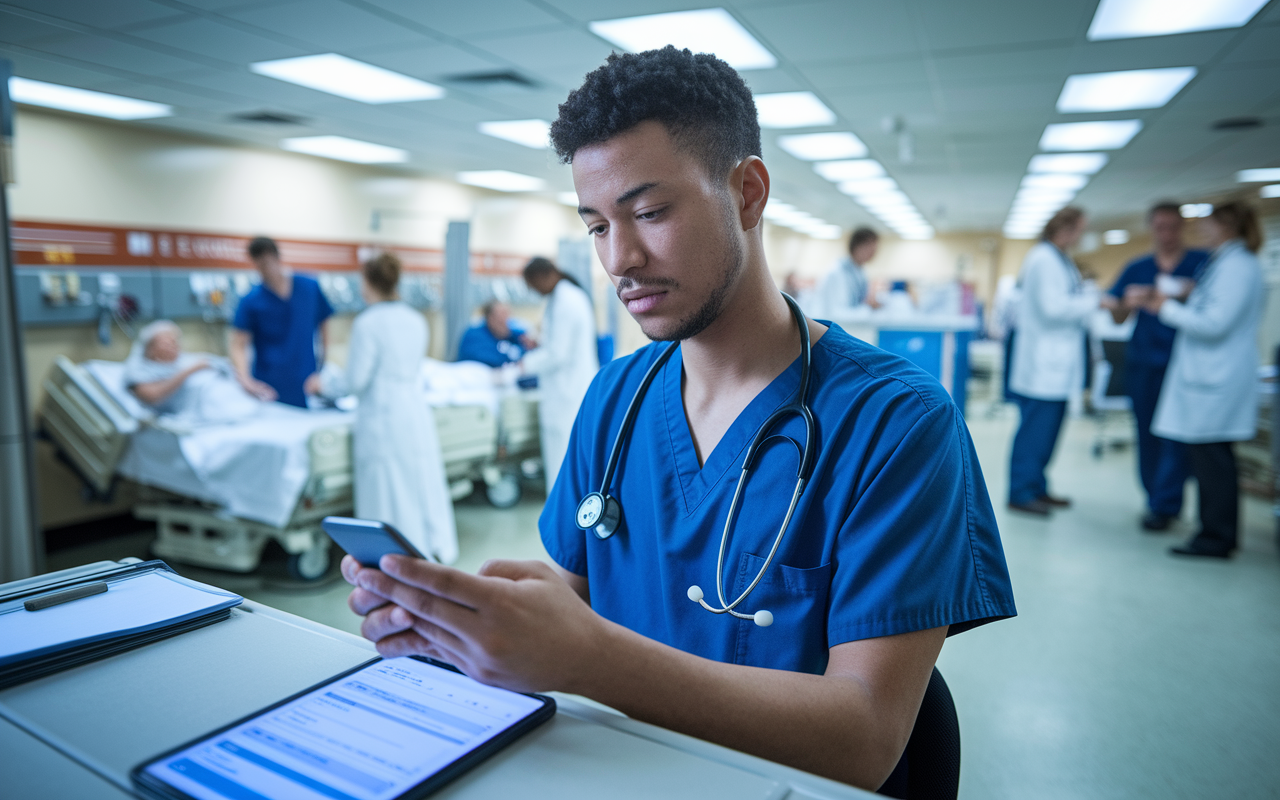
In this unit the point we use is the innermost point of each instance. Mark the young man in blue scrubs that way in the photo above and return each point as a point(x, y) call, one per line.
point(496, 339)
point(281, 317)
point(893, 545)
point(1162, 463)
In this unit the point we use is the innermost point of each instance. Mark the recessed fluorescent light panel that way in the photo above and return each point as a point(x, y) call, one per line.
point(1110, 135)
point(1126, 19)
point(344, 149)
point(869, 186)
point(1123, 91)
point(858, 170)
point(1258, 175)
point(501, 180)
point(535, 133)
point(706, 30)
point(1117, 236)
point(346, 77)
point(1270, 191)
point(792, 110)
point(823, 146)
point(83, 101)
point(1055, 180)
point(1195, 210)
point(568, 198)
point(1079, 163)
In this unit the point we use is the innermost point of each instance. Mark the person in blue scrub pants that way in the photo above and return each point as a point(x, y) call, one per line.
point(1162, 463)
point(496, 339)
point(893, 544)
point(282, 318)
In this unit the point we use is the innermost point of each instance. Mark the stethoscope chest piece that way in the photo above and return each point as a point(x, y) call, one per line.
point(600, 514)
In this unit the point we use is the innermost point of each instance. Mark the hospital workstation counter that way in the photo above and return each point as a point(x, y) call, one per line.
point(76, 734)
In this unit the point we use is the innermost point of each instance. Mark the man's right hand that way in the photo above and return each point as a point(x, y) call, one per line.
point(258, 389)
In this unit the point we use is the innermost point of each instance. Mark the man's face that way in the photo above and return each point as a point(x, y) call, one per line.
point(668, 233)
point(866, 251)
point(267, 264)
point(497, 320)
point(1166, 230)
point(164, 347)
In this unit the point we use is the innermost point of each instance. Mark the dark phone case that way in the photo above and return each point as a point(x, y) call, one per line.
point(152, 787)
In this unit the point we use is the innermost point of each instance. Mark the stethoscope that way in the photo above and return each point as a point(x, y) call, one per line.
point(601, 512)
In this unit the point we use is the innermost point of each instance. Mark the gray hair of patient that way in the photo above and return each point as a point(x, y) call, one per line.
point(153, 329)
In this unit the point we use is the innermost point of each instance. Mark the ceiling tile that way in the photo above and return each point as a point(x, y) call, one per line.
point(474, 17)
point(977, 24)
point(428, 62)
point(865, 75)
point(562, 56)
point(117, 54)
point(1038, 62)
point(330, 25)
point(1261, 43)
point(20, 29)
point(109, 14)
point(52, 69)
point(216, 40)
point(1186, 50)
point(803, 33)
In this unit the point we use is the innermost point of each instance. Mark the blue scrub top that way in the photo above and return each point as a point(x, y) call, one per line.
point(284, 335)
point(895, 532)
point(1152, 342)
point(479, 344)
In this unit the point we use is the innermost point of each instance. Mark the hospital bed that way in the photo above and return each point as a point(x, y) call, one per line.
point(220, 493)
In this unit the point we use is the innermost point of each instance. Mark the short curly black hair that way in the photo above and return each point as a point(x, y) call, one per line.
point(703, 102)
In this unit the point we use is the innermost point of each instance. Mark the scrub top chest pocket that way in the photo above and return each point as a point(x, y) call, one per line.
point(798, 599)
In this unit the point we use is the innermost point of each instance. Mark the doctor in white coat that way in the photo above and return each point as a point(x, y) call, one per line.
point(399, 471)
point(565, 360)
point(846, 287)
point(1048, 356)
point(1209, 396)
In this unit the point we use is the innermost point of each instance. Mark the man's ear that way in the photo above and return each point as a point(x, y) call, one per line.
point(751, 180)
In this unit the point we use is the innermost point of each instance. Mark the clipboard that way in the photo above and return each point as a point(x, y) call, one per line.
point(71, 619)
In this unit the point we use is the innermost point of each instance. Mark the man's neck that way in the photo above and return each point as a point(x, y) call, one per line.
point(1168, 258)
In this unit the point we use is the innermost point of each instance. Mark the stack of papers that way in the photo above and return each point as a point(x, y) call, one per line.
point(47, 628)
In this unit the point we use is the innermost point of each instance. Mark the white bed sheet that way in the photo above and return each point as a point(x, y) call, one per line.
point(254, 469)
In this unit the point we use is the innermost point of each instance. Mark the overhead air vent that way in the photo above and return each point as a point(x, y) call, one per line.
point(269, 118)
point(1237, 124)
point(499, 82)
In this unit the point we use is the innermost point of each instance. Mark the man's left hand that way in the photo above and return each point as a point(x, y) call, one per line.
point(514, 624)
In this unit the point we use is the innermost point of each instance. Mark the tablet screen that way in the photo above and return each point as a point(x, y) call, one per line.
point(372, 734)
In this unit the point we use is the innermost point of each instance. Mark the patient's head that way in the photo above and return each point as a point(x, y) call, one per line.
point(497, 316)
point(161, 341)
point(381, 277)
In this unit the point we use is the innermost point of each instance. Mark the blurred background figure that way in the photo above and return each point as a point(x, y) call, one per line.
point(157, 370)
point(281, 318)
point(566, 358)
point(1048, 356)
point(1162, 463)
point(496, 339)
point(846, 287)
point(1209, 398)
point(399, 471)
point(1003, 326)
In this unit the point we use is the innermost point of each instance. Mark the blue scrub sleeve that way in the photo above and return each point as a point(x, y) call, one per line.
point(244, 319)
point(324, 309)
point(1126, 278)
point(920, 548)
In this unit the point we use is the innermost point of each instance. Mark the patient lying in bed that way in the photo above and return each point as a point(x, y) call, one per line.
point(197, 387)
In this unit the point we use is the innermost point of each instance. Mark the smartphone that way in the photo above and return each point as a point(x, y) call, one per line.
point(368, 540)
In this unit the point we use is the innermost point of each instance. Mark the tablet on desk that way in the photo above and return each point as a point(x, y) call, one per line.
point(396, 728)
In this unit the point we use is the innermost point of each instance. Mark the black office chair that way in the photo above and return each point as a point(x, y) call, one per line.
point(930, 767)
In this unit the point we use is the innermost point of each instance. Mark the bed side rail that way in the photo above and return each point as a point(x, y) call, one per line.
point(468, 438)
point(89, 428)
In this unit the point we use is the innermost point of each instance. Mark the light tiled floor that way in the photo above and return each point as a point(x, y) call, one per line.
point(1128, 674)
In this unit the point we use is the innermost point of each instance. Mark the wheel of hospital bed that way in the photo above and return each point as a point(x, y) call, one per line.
point(309, 565)
point(504, 492)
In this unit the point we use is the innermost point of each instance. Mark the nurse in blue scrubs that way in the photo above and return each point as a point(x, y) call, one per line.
point(283, 318)
point(496, 339)
point(1162, 463)
point(893, 544)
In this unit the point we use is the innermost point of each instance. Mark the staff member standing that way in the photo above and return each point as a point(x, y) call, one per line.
point(1209, 399)
point(565, 360)
point(399, 471)
point(892, 544)
point(845, 287)
point(1162, 463)
point(282, 318)
point(1048, 357)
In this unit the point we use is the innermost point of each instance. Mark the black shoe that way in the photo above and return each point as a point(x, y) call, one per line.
point(1205, 548)
point(1156, 523)
point(1038, 507)
point(1056, 502)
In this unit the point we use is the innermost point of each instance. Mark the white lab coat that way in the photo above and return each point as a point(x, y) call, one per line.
point(1053, 314)
point(842, 290)
point(565, 361)
point(399, 471)
point(1210, 391)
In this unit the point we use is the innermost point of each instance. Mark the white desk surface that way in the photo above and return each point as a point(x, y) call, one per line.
point(78, 733)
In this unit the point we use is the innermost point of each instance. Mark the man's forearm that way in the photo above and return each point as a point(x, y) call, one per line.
point(831, 725)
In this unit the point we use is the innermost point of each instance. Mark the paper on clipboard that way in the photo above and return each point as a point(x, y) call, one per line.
point(133, 603)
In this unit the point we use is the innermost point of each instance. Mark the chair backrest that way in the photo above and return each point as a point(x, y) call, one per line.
point(930, 766)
